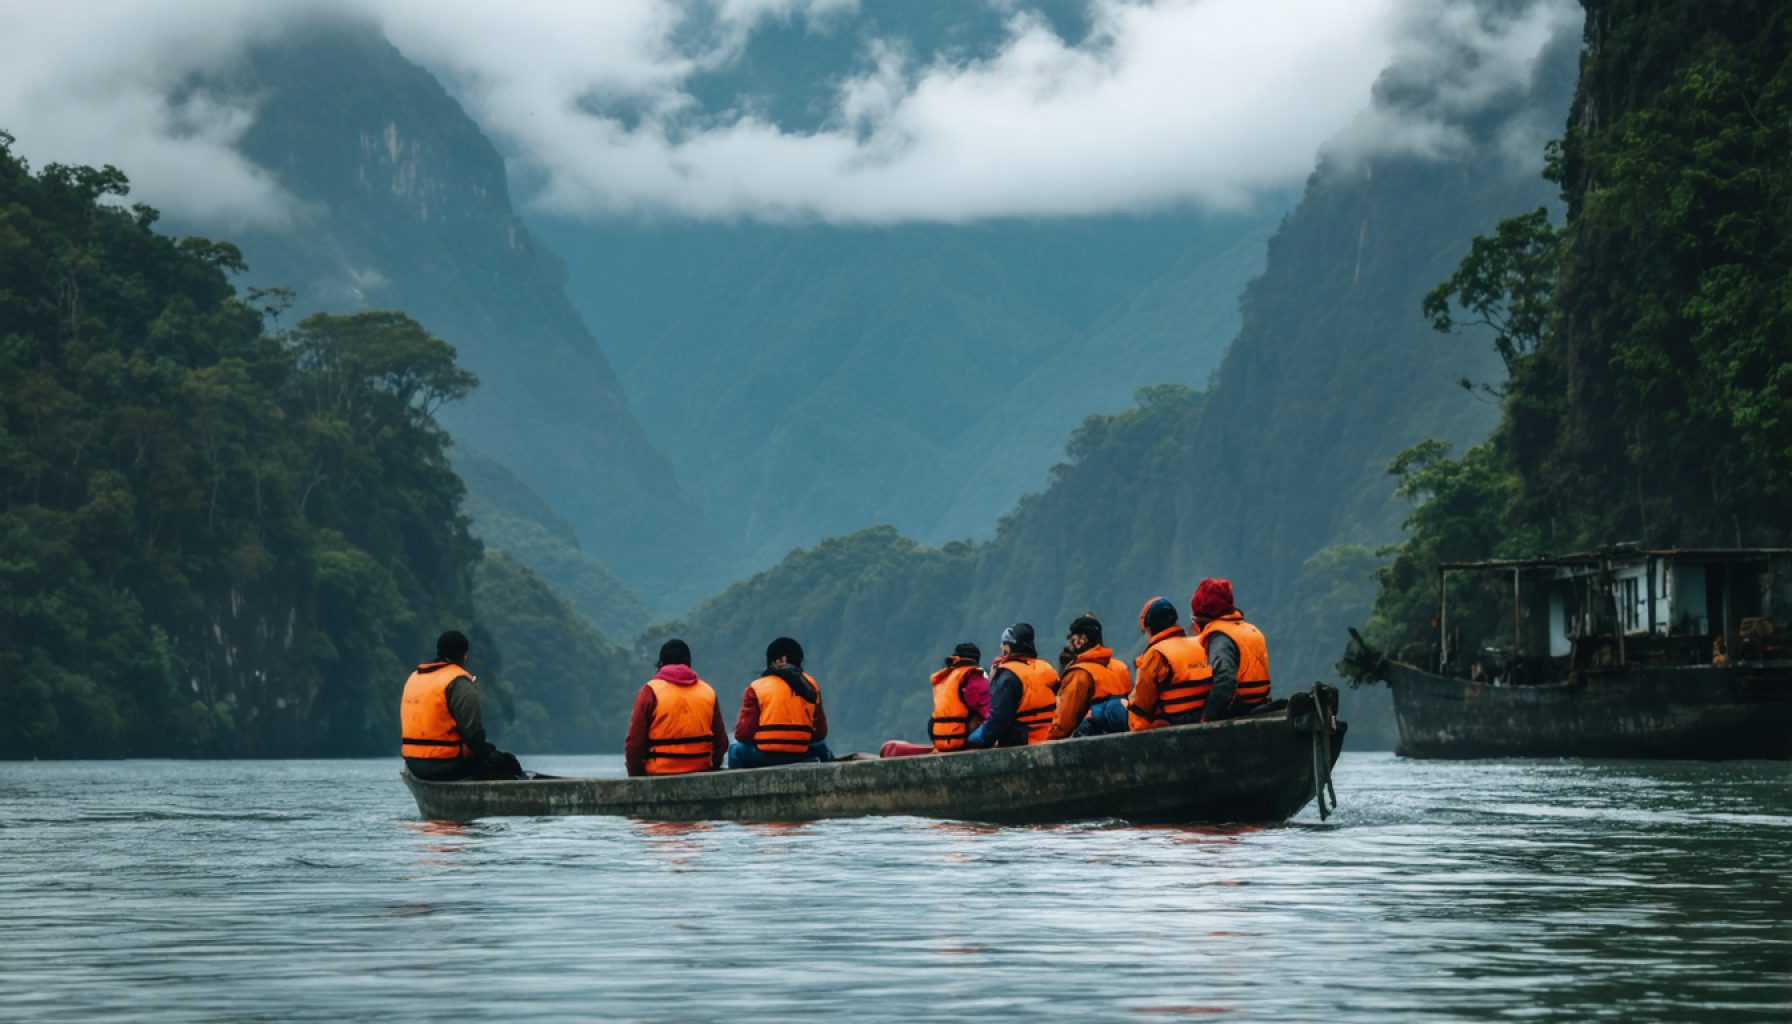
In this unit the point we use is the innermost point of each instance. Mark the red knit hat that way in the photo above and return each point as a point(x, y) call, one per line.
point(1213, 599)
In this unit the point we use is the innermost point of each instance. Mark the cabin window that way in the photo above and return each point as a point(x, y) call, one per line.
point(1627, 604)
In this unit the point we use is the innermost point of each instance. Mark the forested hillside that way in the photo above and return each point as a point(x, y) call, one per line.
point(1276, 477)
point(212, 540)
point(220, 541)
point(1648, 336)
point(407, 206)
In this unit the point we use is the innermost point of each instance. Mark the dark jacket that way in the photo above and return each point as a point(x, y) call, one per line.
point(483, 760)
point(1222, 657)
point(1003, 728)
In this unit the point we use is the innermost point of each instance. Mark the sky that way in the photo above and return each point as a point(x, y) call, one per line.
point(1162, 103)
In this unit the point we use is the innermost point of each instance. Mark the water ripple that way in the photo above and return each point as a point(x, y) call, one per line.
point(308, 891)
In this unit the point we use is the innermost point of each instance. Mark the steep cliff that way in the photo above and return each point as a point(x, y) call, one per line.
point(407, 207)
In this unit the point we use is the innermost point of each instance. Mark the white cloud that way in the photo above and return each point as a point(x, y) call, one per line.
point(1203, 101)
point(1167, 102)
point(96, 84)
point(1454, 60)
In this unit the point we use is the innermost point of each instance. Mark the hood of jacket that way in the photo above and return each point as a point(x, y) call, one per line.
point(677, 675)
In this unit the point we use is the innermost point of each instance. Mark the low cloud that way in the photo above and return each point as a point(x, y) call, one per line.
point(101, 83)
point(1457, 63)
point(1206, 102)
point(1182, 101)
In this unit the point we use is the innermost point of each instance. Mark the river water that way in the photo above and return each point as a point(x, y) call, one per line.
point(299, 891)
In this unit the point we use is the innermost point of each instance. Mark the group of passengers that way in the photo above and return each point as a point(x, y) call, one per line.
point(1219, 671)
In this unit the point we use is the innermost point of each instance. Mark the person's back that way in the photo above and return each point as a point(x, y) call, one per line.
point(954, 714)
point(781, 716)
point(676, 726)
point(1236, 650)
point(441, 729)
point(1173, 678)
point(1021, 698)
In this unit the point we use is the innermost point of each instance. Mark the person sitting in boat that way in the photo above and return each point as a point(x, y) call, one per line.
point(1236, 651)
point(442, 733)
point(781, 717)
point(1173, 678)
point(676, 727)
point(960, 704)
point(1021, 698)
point(1092, 692)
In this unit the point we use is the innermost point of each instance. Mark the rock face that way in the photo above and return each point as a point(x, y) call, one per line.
point(407, 206)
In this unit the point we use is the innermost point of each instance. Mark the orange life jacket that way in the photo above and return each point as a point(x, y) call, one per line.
point(1106, 671)
point(426, 727)
point(1182, 694)
point(1253, 657)
point(681, 737)
point(951, 721)
point(1038, 695)
point(786, 721)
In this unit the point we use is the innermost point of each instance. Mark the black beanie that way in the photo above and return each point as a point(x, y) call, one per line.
point(451, 646)
point(784, 647)
point(968, 652)
point(675, 652)
point(1088, 625)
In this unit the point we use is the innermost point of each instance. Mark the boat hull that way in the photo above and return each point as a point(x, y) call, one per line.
point(1254, 770)
point(1697, 712)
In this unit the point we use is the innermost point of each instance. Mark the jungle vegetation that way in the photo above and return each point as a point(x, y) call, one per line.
point(1646, 338)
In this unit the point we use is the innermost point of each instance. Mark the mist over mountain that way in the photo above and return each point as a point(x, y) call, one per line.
point(811, 379)
point(1275, 477)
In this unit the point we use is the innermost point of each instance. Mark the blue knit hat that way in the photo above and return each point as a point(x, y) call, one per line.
point(1158, 615)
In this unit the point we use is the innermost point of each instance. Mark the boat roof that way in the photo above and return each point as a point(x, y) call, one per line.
point(1622, 554)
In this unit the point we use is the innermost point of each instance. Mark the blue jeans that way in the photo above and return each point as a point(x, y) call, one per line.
point(1105, 716)
point(745, 755)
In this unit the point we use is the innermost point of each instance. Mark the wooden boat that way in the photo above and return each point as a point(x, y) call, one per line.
point(1259, 769)
point(1621, 652)
point(1696, 712)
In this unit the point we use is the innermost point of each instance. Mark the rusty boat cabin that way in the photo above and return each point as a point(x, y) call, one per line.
point(1623, 652)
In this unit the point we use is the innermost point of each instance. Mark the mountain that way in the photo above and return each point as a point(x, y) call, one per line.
point(511, 518)
point(808, 380)
point(406, 205)
point(1275, 476)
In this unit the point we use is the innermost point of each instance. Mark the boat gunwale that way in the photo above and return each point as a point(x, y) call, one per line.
point(1038, 778)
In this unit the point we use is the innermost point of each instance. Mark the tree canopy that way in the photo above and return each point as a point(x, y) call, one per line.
point(1648, 339)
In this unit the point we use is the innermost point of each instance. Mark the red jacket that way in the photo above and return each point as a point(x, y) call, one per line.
point(634, 749)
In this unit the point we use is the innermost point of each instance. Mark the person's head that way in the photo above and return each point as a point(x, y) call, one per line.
point(964, 654)
point(1085, 632)
point(452, 646)
point(1158, 615)
point(1018, 639)
point(783, 651)
point(674, 652)
point(1211, 600)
